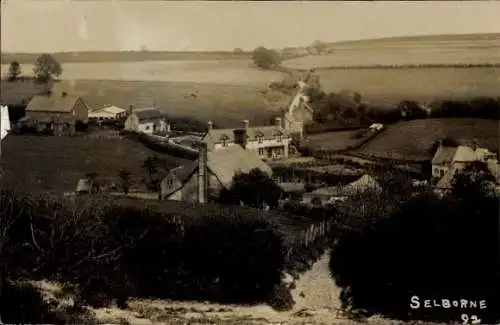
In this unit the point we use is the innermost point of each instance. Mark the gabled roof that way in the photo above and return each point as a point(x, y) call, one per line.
point(147, 114)
point(109, 109)
point(362, 184)
point(444, 155)
point(53, 103)
point(447, 155)
point(266, 132)
point(223, 164)
point(226, 162)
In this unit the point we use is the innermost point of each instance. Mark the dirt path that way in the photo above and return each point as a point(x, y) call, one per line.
point(316, 297)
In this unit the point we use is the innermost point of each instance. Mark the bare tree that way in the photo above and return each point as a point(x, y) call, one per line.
point(125, 180)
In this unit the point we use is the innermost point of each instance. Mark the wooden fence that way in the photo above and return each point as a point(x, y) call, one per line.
point(313, 233)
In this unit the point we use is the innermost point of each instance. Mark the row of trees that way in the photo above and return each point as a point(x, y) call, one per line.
point(46, 69)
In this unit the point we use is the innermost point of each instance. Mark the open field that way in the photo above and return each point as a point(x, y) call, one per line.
point(474, 49)
point(234, 72)
point(125, 56)
point(55, 164)
point(226, 105)
point(413, 140)
point(332, 140)
point(394, 85)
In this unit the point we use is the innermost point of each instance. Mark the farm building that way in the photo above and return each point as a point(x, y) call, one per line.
point(62, 106)
point(58, 113)
point(147, 120)
point(108, 113)
point(268, 142)
point(211, 172)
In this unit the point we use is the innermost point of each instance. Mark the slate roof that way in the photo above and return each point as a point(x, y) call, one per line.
point(147, 114)
point(444, 156)
point(53, 103)
point(266, 132)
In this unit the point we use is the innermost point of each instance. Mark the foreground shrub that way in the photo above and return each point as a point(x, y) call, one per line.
point(22, 303)
point(112, 251)
point(430, 247)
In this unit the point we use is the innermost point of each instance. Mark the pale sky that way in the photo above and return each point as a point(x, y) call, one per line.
point(65, 25)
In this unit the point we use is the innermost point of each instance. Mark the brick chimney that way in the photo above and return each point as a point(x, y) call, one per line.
point(278, 122)
point(245, 124)
point(202, 173)
point(130, 109)
point(210, 126)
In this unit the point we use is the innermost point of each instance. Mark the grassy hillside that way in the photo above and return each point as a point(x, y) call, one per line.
point(414, 139)
point(125, 56)
point(414, 51)
point(55, 164)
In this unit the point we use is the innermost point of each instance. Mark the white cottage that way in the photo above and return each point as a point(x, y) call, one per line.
point(147, 120)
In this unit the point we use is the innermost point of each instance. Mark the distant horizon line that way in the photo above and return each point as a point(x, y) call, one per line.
point(249, 51)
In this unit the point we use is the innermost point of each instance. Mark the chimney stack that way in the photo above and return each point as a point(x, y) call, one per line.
point(278, 122)
point(474, 145)
point(202, 173)
point(246, 124)
point(210, 126)
point(130, 109)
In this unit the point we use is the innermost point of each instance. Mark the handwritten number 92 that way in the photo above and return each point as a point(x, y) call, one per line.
point(473, 319)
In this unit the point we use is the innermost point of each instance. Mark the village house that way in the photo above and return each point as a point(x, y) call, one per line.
point(58, 112)
point(448, 161)
point(108, 113)
point(209, 174)
point(147, 120)
point(268, 142)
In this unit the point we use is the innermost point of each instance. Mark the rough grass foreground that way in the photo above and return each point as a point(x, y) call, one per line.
point(126, 248)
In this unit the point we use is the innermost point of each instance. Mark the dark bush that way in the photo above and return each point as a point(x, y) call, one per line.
point(426, 246)
point(22, 303)
point(280, 298)
point(224, 254)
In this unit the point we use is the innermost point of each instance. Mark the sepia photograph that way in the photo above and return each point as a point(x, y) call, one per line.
point(249, 162)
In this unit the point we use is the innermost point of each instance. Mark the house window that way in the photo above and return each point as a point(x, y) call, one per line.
point(259, 139)
point(147, 127)
point(224, 142)
point(261, 152)
point(170, 182)
point(441, 172)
